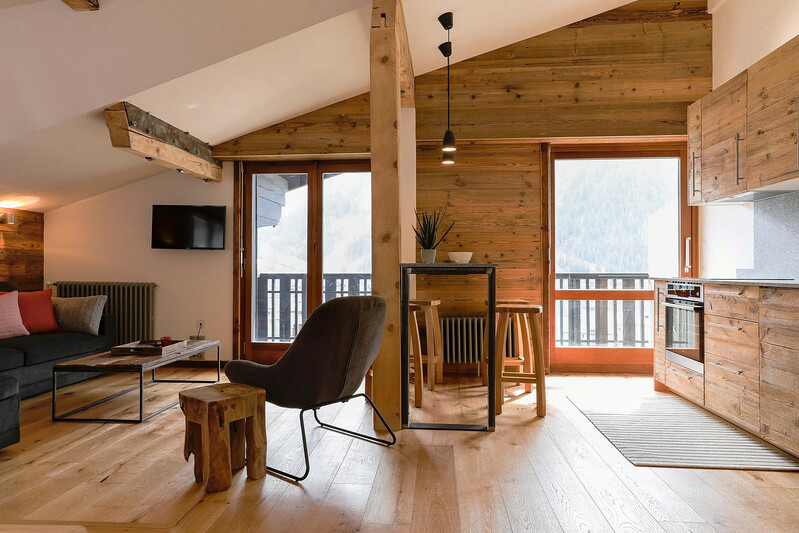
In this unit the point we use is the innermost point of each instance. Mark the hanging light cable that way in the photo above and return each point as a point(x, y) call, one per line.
point(448, 144)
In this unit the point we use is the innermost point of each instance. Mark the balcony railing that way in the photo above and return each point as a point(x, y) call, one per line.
point(282, 301)
point(281, 307)
point(603, 322)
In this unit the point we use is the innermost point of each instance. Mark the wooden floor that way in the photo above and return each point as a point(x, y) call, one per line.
point(546, 475)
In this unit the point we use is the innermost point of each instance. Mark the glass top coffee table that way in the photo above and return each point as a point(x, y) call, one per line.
point(105, 363)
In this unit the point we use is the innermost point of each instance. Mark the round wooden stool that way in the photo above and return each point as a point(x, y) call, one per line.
point(517, 337)
point(434, 358)
point(530, 354)
point(220, 419)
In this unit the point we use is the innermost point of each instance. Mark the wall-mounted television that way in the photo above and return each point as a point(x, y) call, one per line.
point(189, 227)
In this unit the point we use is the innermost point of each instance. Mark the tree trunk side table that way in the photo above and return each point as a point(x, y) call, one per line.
point(220, 419)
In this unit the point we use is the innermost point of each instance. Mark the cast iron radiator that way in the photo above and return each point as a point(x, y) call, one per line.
point(462, 338)
point(131, 303)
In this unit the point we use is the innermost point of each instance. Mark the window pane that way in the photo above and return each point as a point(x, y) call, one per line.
point(346, 234)
point(604, 323)
point(281, 265)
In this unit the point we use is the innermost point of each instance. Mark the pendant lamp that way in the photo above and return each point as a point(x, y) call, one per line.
point(448, 145)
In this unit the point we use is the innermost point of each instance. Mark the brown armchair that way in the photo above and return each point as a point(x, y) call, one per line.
point(325, 364)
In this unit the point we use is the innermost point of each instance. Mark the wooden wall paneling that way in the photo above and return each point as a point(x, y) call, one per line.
point(338, 131)
point(494, 195)
point(22, 250)
point(619, 77)
point(628, 72)
point(387, 173)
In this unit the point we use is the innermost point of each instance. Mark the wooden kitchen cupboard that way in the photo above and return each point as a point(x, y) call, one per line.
point(723, 147)
point(732, 354)
point(773, 117)
point(779, 367)
point(694, 184)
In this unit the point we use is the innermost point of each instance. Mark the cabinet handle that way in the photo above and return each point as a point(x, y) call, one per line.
point(693, 174)
point(686, 376)
point(725, 293)
point(725, 368)
point(687, 264)
point(737, 166)
point(725, 326)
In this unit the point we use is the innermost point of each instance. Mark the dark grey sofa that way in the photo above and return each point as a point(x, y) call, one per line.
point(31, 359)
point(9, 411)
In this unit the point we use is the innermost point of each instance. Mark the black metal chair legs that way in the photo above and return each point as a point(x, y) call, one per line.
point(351, 433)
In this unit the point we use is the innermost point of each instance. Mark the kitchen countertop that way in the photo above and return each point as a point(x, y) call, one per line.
point(777, 283)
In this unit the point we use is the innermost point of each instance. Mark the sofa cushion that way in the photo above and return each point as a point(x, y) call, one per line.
point(10, 358)
point(81, 314)
point(50, 346)
point(8, 387)
point(10, 319)
point(36, 308)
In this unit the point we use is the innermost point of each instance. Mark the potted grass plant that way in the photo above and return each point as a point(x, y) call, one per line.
point(427, 230)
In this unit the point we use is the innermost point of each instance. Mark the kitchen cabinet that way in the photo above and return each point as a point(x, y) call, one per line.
point(779, 367)
point(659, 366)
point(723, 146)
point(732, 370)
point(773, 117)
point(694, 184)
point(685, 382)
point(733, 301)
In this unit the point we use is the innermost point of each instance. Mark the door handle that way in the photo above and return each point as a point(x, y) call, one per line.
point(657, 304)
point(687, 265)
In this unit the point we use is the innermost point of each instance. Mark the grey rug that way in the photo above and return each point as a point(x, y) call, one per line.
point(671, 432)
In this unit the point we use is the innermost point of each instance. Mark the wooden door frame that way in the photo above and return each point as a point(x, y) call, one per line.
point(243, 260)
point(637, 360)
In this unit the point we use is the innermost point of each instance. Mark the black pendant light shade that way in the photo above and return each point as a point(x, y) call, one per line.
point(449, 142)
point(446, 20)
point(448, 145)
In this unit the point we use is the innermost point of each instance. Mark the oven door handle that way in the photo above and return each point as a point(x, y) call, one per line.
point(684, 307)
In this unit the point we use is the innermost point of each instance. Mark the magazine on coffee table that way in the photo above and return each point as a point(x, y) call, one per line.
point(149, 347)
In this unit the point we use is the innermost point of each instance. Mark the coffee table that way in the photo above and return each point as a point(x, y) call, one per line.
point(106, 363)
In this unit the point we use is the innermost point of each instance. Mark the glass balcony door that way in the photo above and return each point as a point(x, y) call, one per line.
point(308, 240)
point(618, 218)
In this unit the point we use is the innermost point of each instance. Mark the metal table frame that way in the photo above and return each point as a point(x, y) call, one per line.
point(406, 269)
point(141, 371)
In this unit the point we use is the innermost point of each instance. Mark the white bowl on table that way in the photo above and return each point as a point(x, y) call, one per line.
point(460, 257)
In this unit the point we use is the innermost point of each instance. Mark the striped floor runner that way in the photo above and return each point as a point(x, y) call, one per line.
point(668, 431)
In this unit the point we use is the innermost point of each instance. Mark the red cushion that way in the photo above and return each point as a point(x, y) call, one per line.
point(36, 308)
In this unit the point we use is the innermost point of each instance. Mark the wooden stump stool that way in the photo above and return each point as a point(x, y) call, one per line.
point(222, 421)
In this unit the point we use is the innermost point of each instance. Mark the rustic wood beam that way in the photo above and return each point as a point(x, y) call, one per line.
point(83, 5)
point(385, 59)
point(140, 133)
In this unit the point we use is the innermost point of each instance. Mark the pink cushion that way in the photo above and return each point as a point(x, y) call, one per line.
point(10, 319)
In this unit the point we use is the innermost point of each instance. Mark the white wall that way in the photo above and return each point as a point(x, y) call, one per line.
point(107, 238)
point(744, 31)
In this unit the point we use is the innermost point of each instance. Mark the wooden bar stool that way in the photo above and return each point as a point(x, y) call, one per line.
point(435, 346)
point(531, 354)
point(518, 338)
point(222, 421)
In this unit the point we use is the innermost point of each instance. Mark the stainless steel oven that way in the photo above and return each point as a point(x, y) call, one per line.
point(684, 307)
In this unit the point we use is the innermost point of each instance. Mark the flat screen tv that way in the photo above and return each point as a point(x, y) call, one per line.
point(189, 227)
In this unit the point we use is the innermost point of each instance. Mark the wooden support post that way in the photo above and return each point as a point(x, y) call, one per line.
point(388, 51)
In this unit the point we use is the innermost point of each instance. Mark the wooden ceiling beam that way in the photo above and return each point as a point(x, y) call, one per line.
point(83, 5)
point(137, 132)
